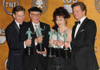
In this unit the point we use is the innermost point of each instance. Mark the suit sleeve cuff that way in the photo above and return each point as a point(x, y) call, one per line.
point(70, 46)
point(35, 43)
point(24, 45)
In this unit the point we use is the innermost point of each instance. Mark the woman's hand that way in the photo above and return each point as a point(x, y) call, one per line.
point(60, 43)
point(51, 41)
point(66, 44)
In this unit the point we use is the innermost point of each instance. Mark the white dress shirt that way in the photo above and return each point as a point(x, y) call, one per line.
point(78, 26)
point(34, 25)
point(17, 24)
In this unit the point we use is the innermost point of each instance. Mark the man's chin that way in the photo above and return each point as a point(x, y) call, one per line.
point(77, 18)
point(21, 22)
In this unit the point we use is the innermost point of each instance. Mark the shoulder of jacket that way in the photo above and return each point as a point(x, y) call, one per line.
point(44, 23)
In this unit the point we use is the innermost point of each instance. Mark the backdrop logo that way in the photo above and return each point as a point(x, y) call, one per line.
point(42, 4)
point(97, 5)
point(2, 36)
point(67, 4)
point(8, 6)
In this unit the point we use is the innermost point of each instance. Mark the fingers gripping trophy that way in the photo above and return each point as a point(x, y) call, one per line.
point(40, 46)
point(51, 50)
point(66, 51)
point(29, 33)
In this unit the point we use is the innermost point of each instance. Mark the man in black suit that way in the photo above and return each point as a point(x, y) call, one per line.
point(16, 47)
point(35, 59)
point(83, 38)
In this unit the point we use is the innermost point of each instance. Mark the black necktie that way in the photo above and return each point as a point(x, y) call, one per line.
point(20, 25)
point(77, 22)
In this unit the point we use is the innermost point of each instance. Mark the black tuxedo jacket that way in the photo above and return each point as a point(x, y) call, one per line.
point(83, 46)
point(37, 58)
point(16, 47)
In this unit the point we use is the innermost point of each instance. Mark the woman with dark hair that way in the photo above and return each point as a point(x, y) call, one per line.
point(59, 59)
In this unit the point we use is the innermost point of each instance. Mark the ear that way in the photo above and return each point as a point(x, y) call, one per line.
point(14, 15)
point(84, 12)
point(30, 15)
point(66, 19)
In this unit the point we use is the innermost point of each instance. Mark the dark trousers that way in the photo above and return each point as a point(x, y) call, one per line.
point(31, 63)
point(73, 65)
point(58, 63)
point(43, 61)
point(15, 62)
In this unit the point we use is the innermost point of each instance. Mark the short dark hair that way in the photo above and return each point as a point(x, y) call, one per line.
point(34, 9)
point(17, 9)
point(61, 11)
point(82, 6)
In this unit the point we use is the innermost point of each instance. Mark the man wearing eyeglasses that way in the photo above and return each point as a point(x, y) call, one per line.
point(37, 58)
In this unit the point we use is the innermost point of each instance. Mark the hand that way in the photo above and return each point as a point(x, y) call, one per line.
point(44, 52)
point(66, 45)
point(39, 39)
point(28, 42)
point(60, 43)
point(51, 41)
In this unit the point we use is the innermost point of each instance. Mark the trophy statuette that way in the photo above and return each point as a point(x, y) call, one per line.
point(29, 50)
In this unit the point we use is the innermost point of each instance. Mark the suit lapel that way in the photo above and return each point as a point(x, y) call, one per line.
point(82, 25)
point(42, 26)
point(32, 28)
point(74, 28)
point(15, 26)
point(31, 25)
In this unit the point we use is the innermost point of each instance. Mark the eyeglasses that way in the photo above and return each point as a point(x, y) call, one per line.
point(35, 14)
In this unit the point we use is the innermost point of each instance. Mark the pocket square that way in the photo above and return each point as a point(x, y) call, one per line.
point(82, 30)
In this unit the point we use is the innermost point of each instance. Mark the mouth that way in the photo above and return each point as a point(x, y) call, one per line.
point(76, 15)
point(59, 24)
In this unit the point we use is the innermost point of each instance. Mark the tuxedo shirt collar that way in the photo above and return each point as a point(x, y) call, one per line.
point(82, 19)
point(17, 23)
point(35, 24)
point(79, 25)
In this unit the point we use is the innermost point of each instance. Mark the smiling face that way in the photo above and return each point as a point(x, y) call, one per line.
point(78, 13)
point(19, 16)
point(60, 21)
point(35, 16)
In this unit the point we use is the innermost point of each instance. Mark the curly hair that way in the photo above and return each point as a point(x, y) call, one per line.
point(61, 11)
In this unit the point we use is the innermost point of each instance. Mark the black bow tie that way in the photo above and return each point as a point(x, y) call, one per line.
point(77, 22)
point(20, 25)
